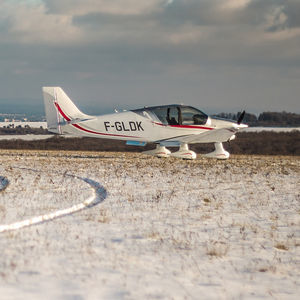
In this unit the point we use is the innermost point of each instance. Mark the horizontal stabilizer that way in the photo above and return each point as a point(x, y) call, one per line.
point(170, 143)
point(76, 121)
point(136, 143)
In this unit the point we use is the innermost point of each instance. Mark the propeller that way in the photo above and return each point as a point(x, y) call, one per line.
point(241, 117)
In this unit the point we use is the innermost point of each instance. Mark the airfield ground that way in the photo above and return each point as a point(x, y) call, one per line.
point(159, 229)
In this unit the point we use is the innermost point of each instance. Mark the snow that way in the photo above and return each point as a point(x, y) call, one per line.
point(164, 228)
point(276, 129)
point(97, 197)
point(26, 137)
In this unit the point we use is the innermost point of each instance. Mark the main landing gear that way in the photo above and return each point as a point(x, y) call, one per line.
point(162, 151)
point(159, 151)
point(185, 153)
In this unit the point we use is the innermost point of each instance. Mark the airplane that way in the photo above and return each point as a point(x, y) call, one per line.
point(173, 125)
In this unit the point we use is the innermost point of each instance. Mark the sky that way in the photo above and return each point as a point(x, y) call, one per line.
point(219, 56)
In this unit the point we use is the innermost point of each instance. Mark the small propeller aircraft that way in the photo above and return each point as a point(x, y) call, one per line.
point(173, 125)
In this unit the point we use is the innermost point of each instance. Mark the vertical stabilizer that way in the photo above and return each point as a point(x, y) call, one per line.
point(59, 109)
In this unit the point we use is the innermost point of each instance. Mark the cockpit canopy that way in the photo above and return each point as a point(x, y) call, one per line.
point(175, 114)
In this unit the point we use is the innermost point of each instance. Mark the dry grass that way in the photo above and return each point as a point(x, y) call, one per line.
point(281, 246)
point(217, 248)
point(164, 223)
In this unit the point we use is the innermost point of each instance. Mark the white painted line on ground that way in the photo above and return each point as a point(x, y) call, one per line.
point(98, 196)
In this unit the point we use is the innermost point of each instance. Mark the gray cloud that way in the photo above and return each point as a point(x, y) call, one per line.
point(292, 9)
point(221, 55)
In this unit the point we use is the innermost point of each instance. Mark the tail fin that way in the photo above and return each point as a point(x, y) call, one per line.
point(59, 109)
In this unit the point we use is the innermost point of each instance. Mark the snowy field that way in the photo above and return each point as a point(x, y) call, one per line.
point(129, 226)
point(275, 129)
point(26, 137)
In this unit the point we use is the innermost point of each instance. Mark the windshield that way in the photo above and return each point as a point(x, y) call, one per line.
point(176, 114)
point(193, 116)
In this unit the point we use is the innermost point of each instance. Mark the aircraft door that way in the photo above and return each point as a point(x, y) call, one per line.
point(174, 115)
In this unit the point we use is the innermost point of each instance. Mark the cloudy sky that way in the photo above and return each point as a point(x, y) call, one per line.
point(217, 55)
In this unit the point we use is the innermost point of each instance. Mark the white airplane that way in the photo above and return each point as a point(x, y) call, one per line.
point(173, 125)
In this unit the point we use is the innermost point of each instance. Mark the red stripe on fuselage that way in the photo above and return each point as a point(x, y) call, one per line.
point(87, 130)
point(191, 126)
point(101, 133)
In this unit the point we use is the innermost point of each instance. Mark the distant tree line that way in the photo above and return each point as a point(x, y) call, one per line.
point(266, 119)
point(265, 143)
point(19, 130)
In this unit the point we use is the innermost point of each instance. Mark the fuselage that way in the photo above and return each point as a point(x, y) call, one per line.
point(148, 124)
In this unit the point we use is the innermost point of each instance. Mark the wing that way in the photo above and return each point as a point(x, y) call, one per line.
point(212, 136)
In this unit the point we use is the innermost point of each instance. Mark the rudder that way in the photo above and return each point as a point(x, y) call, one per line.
point(59, 109)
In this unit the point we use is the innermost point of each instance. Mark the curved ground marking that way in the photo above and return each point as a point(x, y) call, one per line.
point(3, 183)
point(98, 196)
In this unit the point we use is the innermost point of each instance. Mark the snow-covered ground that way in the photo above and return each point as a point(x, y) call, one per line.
point(276, 129)
point(25, 137)
point(164, 228)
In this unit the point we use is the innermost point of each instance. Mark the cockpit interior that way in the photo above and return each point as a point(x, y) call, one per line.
point(174, 114)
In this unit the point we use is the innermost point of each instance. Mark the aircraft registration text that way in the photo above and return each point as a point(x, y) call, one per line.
point(124, 126)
